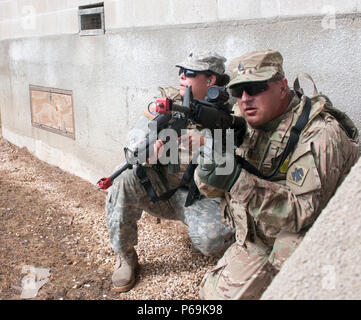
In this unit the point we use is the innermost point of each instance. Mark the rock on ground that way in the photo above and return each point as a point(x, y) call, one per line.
point(55, 220)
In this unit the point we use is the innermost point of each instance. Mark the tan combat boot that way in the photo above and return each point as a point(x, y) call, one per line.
point(124, 274)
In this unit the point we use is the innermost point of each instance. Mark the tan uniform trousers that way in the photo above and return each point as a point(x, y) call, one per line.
point(245, 271)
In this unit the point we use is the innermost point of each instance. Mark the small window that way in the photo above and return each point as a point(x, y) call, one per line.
point(91, 19)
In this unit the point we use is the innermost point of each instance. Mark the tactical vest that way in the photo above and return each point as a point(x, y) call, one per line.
point(263, 148)
point(175, 175)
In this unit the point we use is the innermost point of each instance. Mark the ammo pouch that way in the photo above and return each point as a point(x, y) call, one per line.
point(173, 94)
point(193, 193)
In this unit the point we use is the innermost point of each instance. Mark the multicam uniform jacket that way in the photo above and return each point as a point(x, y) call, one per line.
point(293, 198)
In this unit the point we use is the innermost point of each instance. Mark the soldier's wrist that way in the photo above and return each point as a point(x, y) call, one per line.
point(219, 172)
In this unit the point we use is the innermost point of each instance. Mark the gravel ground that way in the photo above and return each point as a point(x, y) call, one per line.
point(53, 219)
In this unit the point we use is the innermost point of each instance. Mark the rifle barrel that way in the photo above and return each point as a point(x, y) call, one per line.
point(117, 172)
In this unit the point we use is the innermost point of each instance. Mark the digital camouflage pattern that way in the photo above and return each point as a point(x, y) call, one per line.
point(272, 216)
point(204, 61)
point(127, 199)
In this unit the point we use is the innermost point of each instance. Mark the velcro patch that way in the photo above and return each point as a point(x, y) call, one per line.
point(150, 115)
point(297, 175)
point(284, 167)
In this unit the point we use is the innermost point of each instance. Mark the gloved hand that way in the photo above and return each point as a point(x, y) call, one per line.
point(219, 171)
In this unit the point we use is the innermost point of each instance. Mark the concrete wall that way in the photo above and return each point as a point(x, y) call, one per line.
point(112, 76)
point(327, 263)
point(19, 18)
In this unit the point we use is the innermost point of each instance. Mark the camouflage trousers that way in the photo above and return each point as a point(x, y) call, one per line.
point(127, 199)
point(245, 270)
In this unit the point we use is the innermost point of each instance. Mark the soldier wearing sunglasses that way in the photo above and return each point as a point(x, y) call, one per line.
point(127, 198)
point(273, 205)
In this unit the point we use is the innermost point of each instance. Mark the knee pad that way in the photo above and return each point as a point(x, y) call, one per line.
point(211, 246)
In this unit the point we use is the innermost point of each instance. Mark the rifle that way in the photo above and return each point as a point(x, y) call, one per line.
point(212, 113)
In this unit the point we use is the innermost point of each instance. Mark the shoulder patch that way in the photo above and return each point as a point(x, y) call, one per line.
point(297, 175)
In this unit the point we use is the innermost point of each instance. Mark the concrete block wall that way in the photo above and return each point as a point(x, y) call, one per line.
point(25, 18)
point(326, 265)
point(113, 76)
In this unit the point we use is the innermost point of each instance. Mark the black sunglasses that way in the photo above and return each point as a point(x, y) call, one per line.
point(252, 89)
point(191, 73)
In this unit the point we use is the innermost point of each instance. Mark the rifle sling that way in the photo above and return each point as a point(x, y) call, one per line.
point(189, 173)
point(291, 143)
point(193, 193)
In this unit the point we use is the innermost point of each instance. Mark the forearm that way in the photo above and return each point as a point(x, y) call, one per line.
point(207, 190)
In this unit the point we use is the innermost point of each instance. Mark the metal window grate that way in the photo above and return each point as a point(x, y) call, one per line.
point(91, 19)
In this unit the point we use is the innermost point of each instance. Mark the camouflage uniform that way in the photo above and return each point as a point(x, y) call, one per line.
point(127, 198)
point(272, 216)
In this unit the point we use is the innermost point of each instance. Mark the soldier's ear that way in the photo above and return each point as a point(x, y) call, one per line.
point(211, 80)
point(284, 87)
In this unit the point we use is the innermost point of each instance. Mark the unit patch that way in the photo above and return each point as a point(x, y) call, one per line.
point(297, 175)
